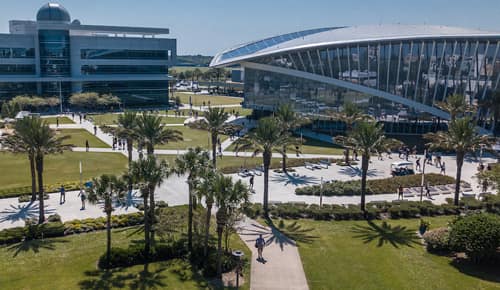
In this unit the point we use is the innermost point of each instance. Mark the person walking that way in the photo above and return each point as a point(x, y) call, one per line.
point(427, 191)
point(443, 168)
point(87, 147)
point(95, 130)
point(80, 116)
point(57, 122)
point(400, 192)
point(259, 244)
point(251, 182)
point(62, 197)
point(417, 164)
point(83, 197)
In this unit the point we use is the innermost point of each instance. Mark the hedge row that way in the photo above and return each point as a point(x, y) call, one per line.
point(374, 186)
point(55, 228)
point(26, 190)
point(394, 210)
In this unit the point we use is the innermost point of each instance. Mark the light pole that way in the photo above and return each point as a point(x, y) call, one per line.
point(321, 193)
point(423, 176)
point(238, 254)
point(60, 97)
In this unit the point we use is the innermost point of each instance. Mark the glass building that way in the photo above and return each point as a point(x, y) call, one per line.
point(395, 72)
point(54, 56)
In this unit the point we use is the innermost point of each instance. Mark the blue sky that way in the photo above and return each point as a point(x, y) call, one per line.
point(208, 26)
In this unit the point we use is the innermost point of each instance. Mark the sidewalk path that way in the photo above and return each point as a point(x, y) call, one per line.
point(283, 266)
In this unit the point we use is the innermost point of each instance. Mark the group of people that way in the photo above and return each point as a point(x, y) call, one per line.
point(119, 144)
point(81, 194)
point(405, 151)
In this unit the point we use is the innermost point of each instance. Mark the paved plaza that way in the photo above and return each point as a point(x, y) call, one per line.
point(282, 186)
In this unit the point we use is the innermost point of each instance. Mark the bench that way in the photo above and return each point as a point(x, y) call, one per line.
point(325, 162)
point(467, 194)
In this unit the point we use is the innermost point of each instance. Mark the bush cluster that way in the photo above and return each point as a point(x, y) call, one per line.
point(95, 224)
point(26, 190)
point(478, 235)
point(134, 254)
point(374, 186)
point(55, 228)
point(31, 231)
point(437, 240)
point(374, 210)
point(27, 198)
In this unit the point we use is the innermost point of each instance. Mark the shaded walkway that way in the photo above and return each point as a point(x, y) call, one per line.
point(282, 268)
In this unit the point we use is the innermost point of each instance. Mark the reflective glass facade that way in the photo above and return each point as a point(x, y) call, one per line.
point(423, 70)
point(6, 52)
point(124, 69)
point(17, 69)
point(54, 52)
point(125, 54)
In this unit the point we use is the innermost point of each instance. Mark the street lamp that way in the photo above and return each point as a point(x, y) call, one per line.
point(238, 254)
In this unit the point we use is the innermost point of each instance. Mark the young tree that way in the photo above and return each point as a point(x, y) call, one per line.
point(151, 132)
point(289, 121)
point(462, 138)
point(268, 137)
point(455, 105)
point(350, 115)
point(193, 163)
point(215, 123)
point(126, 129)
point(228, 195)
point(105, 189)
point(205, 189)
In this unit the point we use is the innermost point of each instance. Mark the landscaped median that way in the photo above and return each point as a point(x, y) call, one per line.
point(374, 186)
point(375, 210)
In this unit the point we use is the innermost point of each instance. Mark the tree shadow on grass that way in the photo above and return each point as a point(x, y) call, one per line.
point(115, 278)
point(289, 234)
point(35, 246)
point(487, 272)
point(386, 234)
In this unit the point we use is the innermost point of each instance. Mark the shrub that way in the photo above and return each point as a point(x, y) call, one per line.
point(26, 190)
point(134, 254)
point(375, 186)
point(437, 240)
point(252, 210)
point(54, 218)
point(95, 224)
point(27, 198)
point(12, 235)
point(478, 235)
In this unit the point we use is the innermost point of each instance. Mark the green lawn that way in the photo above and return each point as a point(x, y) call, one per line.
point(79, 136)
point(111, 119)
point(62, 120)
point(229, 161)
point(359, 255)
point(310, 146)
point(70, 263)
point(198, 100)
point(59, 168)
point(192, 138)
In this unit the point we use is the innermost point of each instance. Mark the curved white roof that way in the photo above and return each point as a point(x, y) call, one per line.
point(341, 35)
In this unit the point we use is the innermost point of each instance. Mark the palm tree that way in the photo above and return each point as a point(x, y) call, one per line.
point(461, 138)
point(105, 188)
point(227, 195)
point(44, 142)
point(205, 189)
point(21, 142)
point(367, 138)
point(289, 120)
point(151, 132)
point(194, 162)
point(125, 129)
point(350, 115)
point(455, 105)
point(492, 104)
point(147, 174)
point(268, 137)
point(215, 123)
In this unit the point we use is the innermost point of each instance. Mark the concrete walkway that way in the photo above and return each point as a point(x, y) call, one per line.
point(282, 268)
